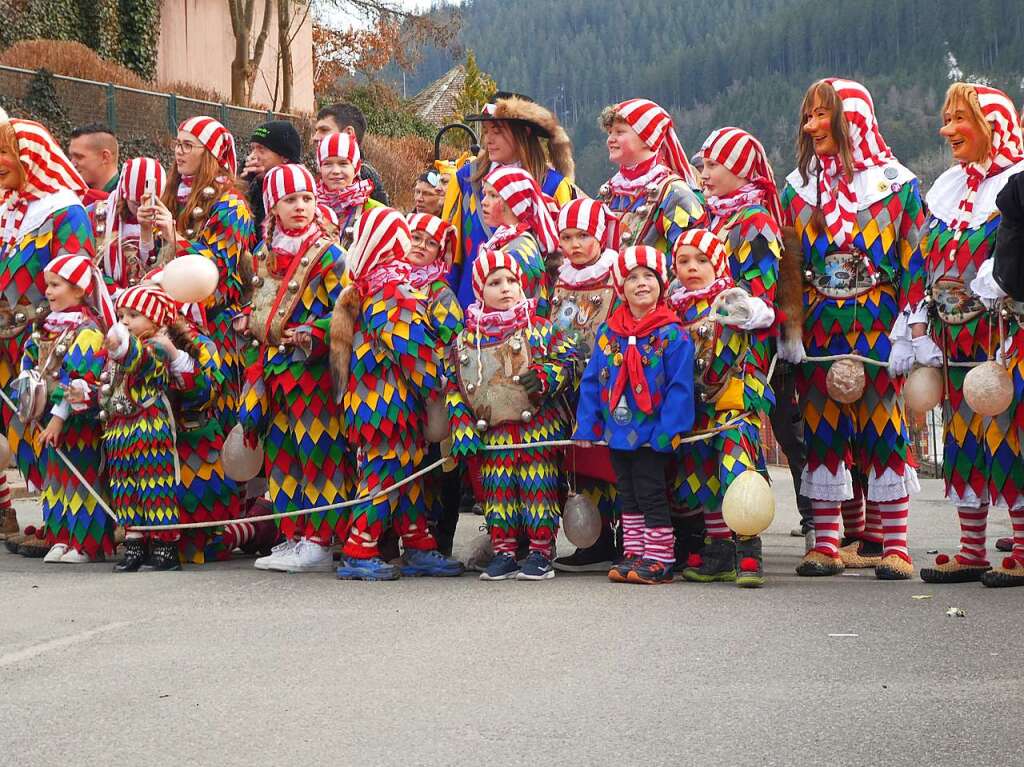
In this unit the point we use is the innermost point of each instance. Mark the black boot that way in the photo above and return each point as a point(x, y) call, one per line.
point(689, 532)
point(717, 562)
point(749, 564)
point(163, 557)
point(597, 558)
point(134, 556)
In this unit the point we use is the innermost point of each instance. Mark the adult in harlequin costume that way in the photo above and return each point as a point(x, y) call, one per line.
point(655, 193)
point(138, 441)
point(127, 253)
point(969, 318)
point(204, 211)
point(341, 190)
point(517, 132)
point(430, 256)
point(726, 324)
point(66, 352)
point(287, 400)
point(41, 215)
point(515, 208)
point(859, 216)
point(511, 366)
point(637, 395)
point(388, 371)
point(583, 298)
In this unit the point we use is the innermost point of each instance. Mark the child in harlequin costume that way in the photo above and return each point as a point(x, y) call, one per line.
point(583, 298)
point(725, 323)
point(138, 442)
point(637, 395)
point(341, 190)
point(859, 216)
point(430, 256)
point(40, 215)
point(388, 371)
point(969, 317)
point(203, 211)
point(67, 352)
point(287, 402)
point(655, 193)
point(516, 132)
point(514, 207)
point(511, 366)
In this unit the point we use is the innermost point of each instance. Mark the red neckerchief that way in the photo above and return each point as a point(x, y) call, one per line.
point(623, 323)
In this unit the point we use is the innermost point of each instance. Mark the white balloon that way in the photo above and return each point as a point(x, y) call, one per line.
point(189, 279)
point(923, 389)
point(988, 389)
point(749, 504)
point(845, 380)
point(241, 462)
point(581, 521)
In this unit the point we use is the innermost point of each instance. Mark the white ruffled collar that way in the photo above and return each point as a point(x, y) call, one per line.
point(870, 185)
point(600, 269)
point(944, 197)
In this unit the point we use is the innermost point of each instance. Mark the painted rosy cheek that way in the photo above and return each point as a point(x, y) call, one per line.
point(7, 162)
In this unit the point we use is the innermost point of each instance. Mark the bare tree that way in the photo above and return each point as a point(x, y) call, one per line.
point(248, 51)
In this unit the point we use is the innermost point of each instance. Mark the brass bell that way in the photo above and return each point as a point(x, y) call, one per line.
point(595, 300)
point(197, 212)
point(808, 274)
point(190, 233)
point(702, 330)
point(20, 317)
point(481, 425)
point(293, 286)
point(106, 388)
point(471, 387)
point(42, 309)
point(304, 261)
point(463, 358)
point(515, 345)
point(208, 192)
point(257, 281)
point(556, 301)
point(701, 363)
point(515, 379)
point(280, 312)
point(526, 415)
point(254, 343)
point(281, 348)
point(55, 375)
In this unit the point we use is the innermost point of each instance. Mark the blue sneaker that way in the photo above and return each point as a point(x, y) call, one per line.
point(372, 569)
point(537, 567)
point(430, 563)
point(501, 568)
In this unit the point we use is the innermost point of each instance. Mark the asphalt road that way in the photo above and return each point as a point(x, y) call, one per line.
point(226, 665)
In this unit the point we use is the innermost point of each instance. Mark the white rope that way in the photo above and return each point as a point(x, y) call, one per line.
point(837, 357)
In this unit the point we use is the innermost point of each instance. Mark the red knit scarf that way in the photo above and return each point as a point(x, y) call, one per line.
point(623, 323)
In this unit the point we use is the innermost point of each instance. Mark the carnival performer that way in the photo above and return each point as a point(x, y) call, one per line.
point(138, 441)
point(969, 320)
point(287, 400)
point(514, 207)
point(511, 367)
point(204, 211)
point(430, 256)
point(583, 298)
point(517, 132)
point(61, 367)
point(388, 369)
point(637, 395)
point(724, 322)
point(655, 193)
point(41, 215)
point(341, 189)
point(859, 216)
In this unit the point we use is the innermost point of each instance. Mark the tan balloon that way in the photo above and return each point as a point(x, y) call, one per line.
point(988, 389)
point(437, 428)
point(189, 279)
point(923, 389)
point(845, 380)
point(749, 504)
point(581, 521)
point(241, 462)
point(5, 453)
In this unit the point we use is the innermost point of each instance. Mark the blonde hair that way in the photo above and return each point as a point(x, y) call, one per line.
point(965, 94)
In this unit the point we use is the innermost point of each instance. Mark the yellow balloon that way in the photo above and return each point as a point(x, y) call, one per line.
point(749, 504)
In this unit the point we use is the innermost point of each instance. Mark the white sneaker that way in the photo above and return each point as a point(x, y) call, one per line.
point(56, 552)
point(74, 557)
point(309, 557)
point(272, 561)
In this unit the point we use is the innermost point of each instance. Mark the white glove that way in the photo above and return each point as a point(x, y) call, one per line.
point(117, 338)
point(926, 352)
point(791, 350)
point(736, 308)
point(901, 357)
point(985, 287)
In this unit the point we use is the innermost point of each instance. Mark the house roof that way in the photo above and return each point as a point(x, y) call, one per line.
point(436, 103)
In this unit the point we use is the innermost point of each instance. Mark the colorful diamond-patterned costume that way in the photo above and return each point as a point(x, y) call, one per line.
point(74, 352)
point(657, 213)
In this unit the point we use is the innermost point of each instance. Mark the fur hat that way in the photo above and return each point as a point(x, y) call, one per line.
point(516, 107)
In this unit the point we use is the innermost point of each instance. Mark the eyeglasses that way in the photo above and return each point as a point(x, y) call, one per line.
point(185, 147)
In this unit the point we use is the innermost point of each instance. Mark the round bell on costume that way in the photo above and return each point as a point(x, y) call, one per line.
point(241, 462)
point(189, 279)
point(749, 505)
point(988, 389)
point(923, 389)
point(581, 521)
point(481, 426)
point(845, 380)
point(436, 429)
point(5, 452)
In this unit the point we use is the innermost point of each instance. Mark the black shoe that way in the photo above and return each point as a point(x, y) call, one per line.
point(598, 558)
point(716, 562)
point(689, 538)
point(134, 556)
point(749, 563)
point(1004, 544)
point(164, 557)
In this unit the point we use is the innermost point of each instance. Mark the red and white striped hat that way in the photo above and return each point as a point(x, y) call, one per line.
point(439, 230)
point(587, 215)
point(488, 261)
point(216, 138)
point(80, 271)
point(655, 128)
point(744, 155)
point(708, 243)
point(635, 256)
point(523, 195)
point(135, 173)
point(380, 235)
point(283, 180)
point(339, 145)
point(150, 301)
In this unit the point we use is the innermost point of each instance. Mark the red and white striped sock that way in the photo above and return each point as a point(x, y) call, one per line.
point(659, 544)
point(5, 492)
point(238, 534)
point(894, 527)
point(872, 523)
point(633, 535)
point(715, 523)
point(503, 542)
point(1017, 523)
point(972, 535)
point(827, 515)
point(853, 514)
